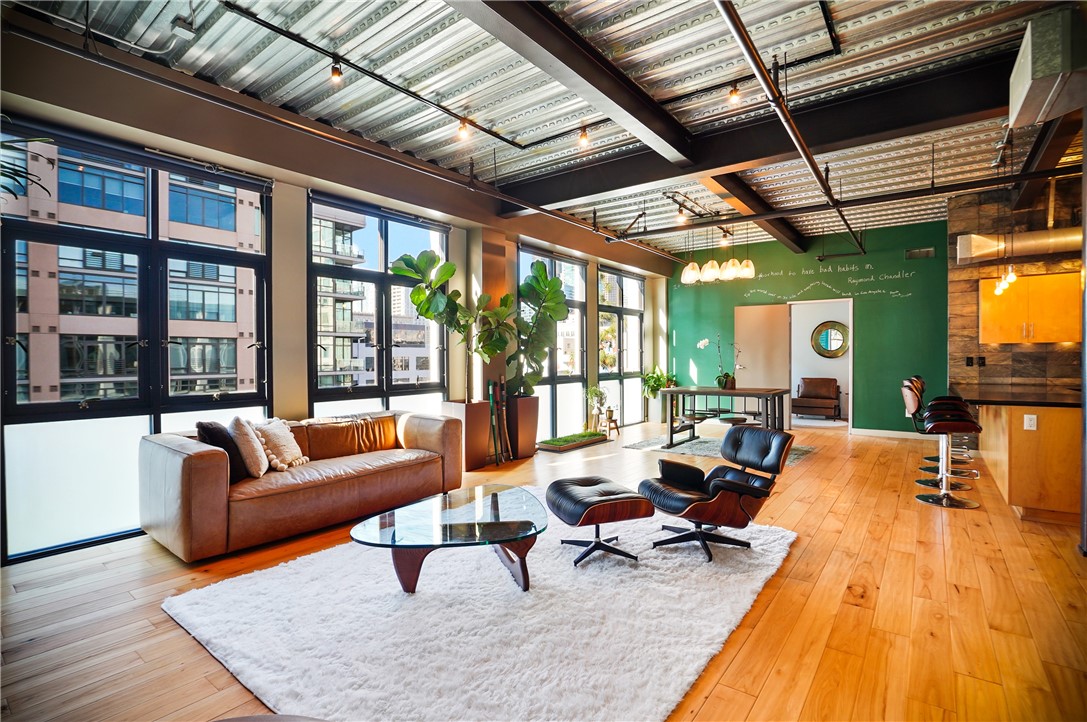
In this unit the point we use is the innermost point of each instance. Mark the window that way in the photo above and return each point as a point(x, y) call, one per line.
point(203, 365)
point(85, 182)
point(368, 337)
point(620, 318)
point(562, 389)
point(90, 295)
point(200, 207)
point(98, 367)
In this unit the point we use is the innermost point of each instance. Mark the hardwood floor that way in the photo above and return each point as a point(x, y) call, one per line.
point(884, 609)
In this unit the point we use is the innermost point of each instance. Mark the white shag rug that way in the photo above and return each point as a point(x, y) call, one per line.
point(331, 635)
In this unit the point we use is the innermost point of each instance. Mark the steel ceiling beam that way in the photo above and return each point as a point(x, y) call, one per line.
point(944, 98)
point(747, 201)
point(540, 36)
point(1048, 149)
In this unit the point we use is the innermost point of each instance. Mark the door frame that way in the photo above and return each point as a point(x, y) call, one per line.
point(852, 351)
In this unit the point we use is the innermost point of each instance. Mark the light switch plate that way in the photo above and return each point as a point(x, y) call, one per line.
point(1030, 422)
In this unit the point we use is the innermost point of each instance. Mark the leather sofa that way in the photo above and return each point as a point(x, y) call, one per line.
point(358, 467)
point(818, 397)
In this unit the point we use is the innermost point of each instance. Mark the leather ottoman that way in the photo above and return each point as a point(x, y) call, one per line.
point(594, 500)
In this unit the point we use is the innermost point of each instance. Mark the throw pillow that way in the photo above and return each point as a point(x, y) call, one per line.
point(249, 445)
point(215, 434)
point(279, 445)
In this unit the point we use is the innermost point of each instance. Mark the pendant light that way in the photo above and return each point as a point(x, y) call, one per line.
point(711, 271)
point(691, 272)
point(731, 270)
point(747, 268)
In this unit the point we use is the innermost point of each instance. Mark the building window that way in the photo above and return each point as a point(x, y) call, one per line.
point(83, 184)
point(83, 294)
point(199, 207)
point(203, 365)
point(95, 259)
point(422, 363)
point(101, 367)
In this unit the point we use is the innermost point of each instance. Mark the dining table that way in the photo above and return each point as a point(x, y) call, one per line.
point(771, 408)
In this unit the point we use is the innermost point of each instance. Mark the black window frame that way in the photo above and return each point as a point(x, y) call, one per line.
point(622, 312)
point(385, 390)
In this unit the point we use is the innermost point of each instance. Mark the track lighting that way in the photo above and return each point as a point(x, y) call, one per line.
point(462, 131)
point(583, 138)
point(734, 94)
point(681, 218)
point(337, 73)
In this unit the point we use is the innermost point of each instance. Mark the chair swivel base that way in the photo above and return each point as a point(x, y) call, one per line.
point(934, 483)
point(960, 473)
point(701, 535)
point(947, 501)
point(597, 545)
point(956, 462)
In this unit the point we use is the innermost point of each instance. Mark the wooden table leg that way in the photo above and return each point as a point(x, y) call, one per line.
point(407, 562)
point(513, 556)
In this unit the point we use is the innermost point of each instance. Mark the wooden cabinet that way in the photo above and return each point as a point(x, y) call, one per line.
point(1034, 309)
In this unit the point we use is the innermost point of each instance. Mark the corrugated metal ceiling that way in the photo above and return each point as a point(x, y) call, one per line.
point(679, 52)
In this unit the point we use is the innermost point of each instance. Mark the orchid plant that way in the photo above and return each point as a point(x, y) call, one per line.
point(723, 376)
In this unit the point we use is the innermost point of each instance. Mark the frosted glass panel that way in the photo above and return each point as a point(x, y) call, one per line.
point(570, 408)
point(543, 426)
point(419, 403)
point(352, 406)
point(186, 421)
point(632, 401)
point(68, 481)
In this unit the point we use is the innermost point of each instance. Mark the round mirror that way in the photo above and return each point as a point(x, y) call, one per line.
point(830, 339)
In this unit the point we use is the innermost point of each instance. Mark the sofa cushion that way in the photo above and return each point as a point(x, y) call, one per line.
point(329, 471)
point(377, 433)
point(256, 462)
point(331, 439)
point(215, 434)
point(815, 403)
point(279, 445)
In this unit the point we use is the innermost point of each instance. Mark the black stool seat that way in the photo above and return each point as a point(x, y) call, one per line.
point(592, 501)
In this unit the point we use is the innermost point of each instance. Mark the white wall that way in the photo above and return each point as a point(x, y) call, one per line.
point(805, 362)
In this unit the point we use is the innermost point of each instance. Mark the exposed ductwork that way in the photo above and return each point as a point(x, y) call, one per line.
point(1050, 74)
point(973, 248)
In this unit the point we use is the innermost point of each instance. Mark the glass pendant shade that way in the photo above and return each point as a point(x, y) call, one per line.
point(747, 269)
point(691, 274)
point(732, 270)
point(711, 272)
point(1010, 278)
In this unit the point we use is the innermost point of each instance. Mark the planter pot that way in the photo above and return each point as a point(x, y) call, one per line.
point(522, 418)
point(475, 420)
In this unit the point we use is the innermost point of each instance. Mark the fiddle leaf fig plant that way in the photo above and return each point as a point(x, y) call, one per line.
point(543, 306)
point(484, 332)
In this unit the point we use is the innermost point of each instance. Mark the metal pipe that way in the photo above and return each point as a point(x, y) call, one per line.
point(436, 172)
point(946, 189)
point(777, 102)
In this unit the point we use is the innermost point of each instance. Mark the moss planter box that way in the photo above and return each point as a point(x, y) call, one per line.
point(574, 441)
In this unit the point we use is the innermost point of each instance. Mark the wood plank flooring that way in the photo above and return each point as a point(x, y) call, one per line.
point(884, 609)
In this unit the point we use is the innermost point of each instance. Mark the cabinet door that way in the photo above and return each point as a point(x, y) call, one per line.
point(1003, 318)
point(1056, 311)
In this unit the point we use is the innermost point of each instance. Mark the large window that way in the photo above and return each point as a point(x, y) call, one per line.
point(118, 317)
point(369, 343)
point(620, 309)
point(562, 390)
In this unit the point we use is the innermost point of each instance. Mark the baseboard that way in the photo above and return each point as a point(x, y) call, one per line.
point(892, 434)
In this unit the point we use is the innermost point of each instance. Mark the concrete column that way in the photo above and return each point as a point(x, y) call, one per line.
point(290, 343)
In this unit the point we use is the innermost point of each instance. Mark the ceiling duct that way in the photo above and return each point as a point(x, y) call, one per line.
point(1050, 74)
point(974, 248)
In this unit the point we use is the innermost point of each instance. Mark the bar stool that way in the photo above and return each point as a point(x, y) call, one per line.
point(943, 418)
point(959, 454)
point(941, 405)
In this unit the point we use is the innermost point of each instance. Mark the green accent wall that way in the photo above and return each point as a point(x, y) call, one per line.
point(899, 312)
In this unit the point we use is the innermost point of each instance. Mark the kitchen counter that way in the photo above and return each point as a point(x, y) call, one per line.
point(1031, 440)
point(1018, 395)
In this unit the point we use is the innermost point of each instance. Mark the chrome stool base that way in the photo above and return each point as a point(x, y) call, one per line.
point(935, 484)
point(947, 501)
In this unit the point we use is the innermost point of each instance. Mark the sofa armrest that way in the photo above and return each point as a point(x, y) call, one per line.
point(184, 486)
point(440, 434)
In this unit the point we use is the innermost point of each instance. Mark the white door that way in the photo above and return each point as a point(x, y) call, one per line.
point(763, 341)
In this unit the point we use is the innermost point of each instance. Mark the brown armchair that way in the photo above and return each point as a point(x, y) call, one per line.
point(818, 397)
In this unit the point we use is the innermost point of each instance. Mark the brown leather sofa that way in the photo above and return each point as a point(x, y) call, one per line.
point(818, 397)
point(358, 467)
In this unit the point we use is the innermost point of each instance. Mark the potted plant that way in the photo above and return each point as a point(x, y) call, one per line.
point(652, 382)
point(543, 305)
point(485, 332)
point(597, 398)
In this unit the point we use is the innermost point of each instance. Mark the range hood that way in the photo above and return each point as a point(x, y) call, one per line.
point(1050, 74)
point(973, 248)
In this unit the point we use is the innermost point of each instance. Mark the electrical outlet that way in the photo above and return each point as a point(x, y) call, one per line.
point(969, 360)
point(981, 361)
point(1030, 422)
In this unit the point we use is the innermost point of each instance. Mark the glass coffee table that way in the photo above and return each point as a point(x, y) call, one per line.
point(507, 517)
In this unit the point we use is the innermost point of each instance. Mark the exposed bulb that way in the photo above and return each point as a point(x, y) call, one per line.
point(462, 131)
point(734, 94)
point(1011, 277)
point(337, 73)
point(998, 290)
point(681, 218)
point(583, 138)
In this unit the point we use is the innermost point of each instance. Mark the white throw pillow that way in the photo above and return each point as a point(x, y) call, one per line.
point(252, 451)
point(279, 445)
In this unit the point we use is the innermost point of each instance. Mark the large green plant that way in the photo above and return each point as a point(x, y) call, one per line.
point(544, 305)
point(484, 332)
